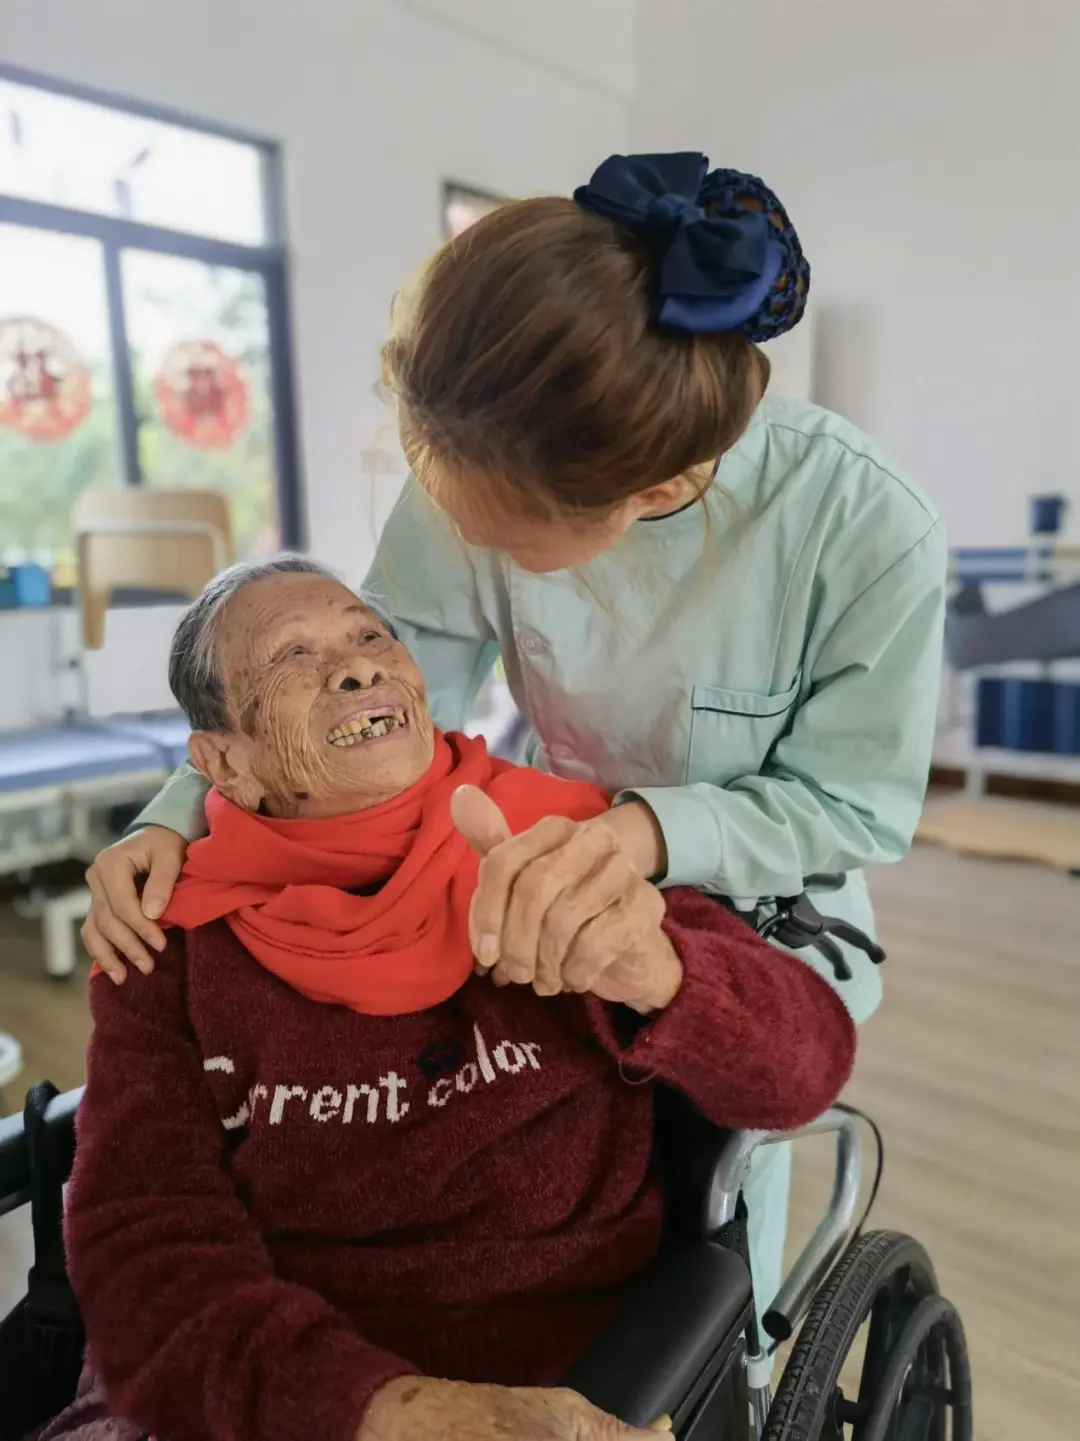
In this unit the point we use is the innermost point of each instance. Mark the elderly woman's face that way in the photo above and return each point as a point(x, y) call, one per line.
point(328, 711)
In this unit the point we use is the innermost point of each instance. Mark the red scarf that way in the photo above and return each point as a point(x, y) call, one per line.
point(283, 886)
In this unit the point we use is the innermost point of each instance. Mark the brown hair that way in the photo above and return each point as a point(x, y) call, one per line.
point(525, 354)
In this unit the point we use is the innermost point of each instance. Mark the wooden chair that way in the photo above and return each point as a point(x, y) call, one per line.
point(144, 537)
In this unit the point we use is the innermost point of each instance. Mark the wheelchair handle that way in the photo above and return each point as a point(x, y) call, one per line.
point(825, 881)
point(834, 1232)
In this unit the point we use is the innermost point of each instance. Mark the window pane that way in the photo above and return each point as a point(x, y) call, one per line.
point(201, 361)
point(57, 423)
point(72, 152)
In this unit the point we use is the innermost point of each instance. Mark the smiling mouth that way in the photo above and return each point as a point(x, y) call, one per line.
point(368, 727)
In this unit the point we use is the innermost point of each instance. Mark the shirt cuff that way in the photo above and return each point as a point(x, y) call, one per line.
point(691, 831)
point(179, 806)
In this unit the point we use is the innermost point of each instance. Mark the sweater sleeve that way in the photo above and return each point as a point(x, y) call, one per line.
point(190, 1329)
point(755, 1038)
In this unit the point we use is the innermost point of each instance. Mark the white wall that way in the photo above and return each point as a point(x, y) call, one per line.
point(929, 153)
point(375, 103)
point(792, 359)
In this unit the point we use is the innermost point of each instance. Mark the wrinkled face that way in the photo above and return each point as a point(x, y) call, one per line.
point(327, 710)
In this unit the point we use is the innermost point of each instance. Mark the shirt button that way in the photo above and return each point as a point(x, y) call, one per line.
point(560, 752)
point(532, 643)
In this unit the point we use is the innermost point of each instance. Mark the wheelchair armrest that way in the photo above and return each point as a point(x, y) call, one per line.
point(15, 1150)
point(676, 1331)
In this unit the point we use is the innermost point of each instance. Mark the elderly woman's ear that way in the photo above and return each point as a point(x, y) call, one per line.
point(225, 759)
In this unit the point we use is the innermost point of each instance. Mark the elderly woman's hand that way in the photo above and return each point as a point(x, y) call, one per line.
point(419, 1409)
point(562, 908)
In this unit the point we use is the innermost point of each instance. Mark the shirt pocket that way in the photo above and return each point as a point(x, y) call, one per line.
point(733, 731)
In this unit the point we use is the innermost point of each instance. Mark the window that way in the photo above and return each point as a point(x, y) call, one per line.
point(463, 206)
point(143, 334)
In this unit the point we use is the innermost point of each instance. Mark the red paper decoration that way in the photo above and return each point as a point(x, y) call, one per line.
point(202, 394)
point(45, 388)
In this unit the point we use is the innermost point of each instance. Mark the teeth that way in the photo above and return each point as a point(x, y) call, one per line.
point(364, 728)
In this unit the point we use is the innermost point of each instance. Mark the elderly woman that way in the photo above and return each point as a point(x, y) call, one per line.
point(368, 1157)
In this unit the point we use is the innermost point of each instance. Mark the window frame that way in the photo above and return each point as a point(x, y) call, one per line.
point(115, 235)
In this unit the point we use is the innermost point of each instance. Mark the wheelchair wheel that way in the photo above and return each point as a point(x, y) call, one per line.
point(915, 1382)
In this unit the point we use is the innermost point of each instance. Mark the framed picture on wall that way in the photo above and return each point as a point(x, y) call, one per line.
point(463, 205)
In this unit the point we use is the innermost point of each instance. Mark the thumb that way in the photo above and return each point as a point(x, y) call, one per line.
point(165, 867)
point(602, 1426)
point(478, 819)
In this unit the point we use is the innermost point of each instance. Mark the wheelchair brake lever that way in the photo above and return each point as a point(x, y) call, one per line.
point(798, 923)
point(835, 957)
point(845, 931)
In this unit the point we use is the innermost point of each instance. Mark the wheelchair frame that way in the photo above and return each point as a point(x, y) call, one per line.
point(830, 1239)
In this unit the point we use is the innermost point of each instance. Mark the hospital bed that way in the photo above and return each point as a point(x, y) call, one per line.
point(59, 784)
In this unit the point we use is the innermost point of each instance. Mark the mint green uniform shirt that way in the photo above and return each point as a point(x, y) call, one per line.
point(763, 670)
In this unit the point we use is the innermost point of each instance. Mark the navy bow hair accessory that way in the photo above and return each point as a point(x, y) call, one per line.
point(719, 265)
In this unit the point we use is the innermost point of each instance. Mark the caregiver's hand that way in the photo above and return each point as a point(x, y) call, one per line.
point(418, 1409)
point(562, 908)
point(121, 925)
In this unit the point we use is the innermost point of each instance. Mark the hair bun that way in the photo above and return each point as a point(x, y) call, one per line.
point(725, 255)
point(727, 194)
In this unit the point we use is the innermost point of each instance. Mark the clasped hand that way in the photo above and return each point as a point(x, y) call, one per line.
point(561, 908)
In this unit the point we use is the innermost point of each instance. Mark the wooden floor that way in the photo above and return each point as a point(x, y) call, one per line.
point(972, 1069)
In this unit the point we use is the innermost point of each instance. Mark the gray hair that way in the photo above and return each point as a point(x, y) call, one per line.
point(194, 677)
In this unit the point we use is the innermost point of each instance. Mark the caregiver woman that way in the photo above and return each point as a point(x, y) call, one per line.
point(726, 608)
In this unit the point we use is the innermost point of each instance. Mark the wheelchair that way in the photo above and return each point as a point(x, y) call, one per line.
point(687, 1342)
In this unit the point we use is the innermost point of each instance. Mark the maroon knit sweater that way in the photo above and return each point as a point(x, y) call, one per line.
point(279, 1205)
